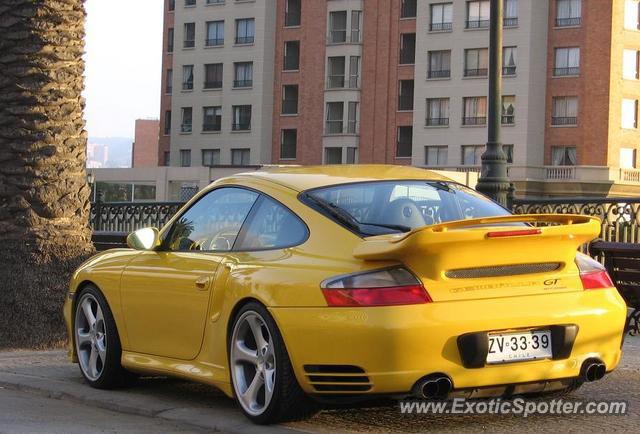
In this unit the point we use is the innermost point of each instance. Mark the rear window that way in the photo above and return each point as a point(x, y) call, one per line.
point(375, 208)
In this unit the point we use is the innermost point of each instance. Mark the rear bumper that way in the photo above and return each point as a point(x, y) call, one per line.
point(385, 350)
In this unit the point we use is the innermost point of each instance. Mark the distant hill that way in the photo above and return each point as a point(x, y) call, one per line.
point(119, 150)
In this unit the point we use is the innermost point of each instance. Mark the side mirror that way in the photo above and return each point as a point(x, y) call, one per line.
point(144, 239)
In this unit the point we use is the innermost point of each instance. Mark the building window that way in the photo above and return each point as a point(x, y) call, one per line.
point(170, 38)
point(243, 74)
point(508, 152)
point(472, 155)
point(168, 86)
point(475, 110)
point(336, 70)
point(187, 77)
point(166, 158)
point(436, 155)
point(333, 155)
point(240, 157)
point(404, 147)
point(215, 2)
point(354, 72)
point(352, 155)
point(408, 49)
point(509, 58)
point(172, 5)
point(187, 120)
point(356, 25)
point(188, 3)
point(568, 13)
point(241, 118)
point(476, 62)
point(211, 119)
point(629, 113)
point(628, 158)
point(437, 112)
point(335, 118)
point(563, 156)
point(508, 109)
point(352, 117)
point(293, 13)
point(630, 64)
point(213, 75)
point(478, 14)
point(408, 8)
point(215, 34)
point(210, 157)
point(567, 61)
point(439, 64)
point(405, 95)
point(441, 17)
point(245, 31)
point(288, 144)
point(565, 110)
point(167, 122)
point(185, 157)
point(337, 27)
point(291, 55)
point(510, 13)
point(189, 35)
point(290, 99)
point(631, 14)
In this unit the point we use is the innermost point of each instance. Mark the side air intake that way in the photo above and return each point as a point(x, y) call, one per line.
point(338, 378)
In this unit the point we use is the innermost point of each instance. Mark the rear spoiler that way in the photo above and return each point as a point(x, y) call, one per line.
point(578, 229)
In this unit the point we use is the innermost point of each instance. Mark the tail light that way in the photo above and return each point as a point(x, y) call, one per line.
point(388, 287)
point(592, 273)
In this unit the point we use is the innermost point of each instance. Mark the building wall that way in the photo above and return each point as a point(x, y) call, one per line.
point(145, 146)
point(164, 140)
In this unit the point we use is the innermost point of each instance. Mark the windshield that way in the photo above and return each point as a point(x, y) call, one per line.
point(376, 208)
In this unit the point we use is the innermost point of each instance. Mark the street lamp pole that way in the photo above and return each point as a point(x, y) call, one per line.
point(493, 180)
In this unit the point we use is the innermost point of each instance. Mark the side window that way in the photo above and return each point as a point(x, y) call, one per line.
point(213, 222)
point(272, 226)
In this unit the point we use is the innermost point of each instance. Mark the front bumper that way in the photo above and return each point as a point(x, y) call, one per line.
point(385, 350)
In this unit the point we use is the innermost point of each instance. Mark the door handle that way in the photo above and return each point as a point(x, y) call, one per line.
point(202, 283)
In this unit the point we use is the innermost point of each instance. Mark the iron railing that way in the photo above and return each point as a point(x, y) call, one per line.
point(440, 27)
point(440, 73)
point(568, 22)
point(131, 216)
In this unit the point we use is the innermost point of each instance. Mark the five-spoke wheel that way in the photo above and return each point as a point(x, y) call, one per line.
point(91, 337)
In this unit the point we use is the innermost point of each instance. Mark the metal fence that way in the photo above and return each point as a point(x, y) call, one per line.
point(129, 216)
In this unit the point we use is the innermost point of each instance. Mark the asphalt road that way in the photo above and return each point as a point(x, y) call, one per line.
point(168, 405)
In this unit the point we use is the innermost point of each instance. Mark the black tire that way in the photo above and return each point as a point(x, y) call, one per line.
point(112, 374)
point(289, 402)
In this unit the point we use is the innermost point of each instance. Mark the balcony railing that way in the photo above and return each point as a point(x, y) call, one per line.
point(510, 22)
point(211, 126)
point(189, 43)
point(437, 122)
point(560, 172)
point(292, 19)
point(564, 120)
point(186, 128)
point(291, 63)
point(441, 73)
point(242, 83)
point(477, 72)
point(508, 119)
point(337, 37)
point(568, 22)
point(405, 102)
point(440, 27)
point(244, 40)
point(334, 127)
point(187, 85)
point(407, 56)
point(474, 120)
point(290, 107)
point(213, 84)
point(509, 70)
point(335, 81)
point(478, 24)
point(214, 42)
point(559, 72)
point(241, 126)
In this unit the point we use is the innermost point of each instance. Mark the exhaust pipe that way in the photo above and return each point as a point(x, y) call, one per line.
point(592, 370)
point(436, 386)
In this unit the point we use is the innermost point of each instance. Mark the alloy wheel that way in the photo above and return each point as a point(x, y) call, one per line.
point(90, 337)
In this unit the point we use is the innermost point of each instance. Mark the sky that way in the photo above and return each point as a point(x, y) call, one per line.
point(123, 65)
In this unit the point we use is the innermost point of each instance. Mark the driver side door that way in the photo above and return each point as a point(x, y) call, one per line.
point(165, 293)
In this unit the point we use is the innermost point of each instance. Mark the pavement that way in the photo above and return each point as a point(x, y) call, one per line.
point(43, 392)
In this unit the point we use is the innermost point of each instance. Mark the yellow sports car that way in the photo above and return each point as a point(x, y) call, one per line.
point(292, 286)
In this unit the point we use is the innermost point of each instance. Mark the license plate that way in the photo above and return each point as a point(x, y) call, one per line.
point(520, 346)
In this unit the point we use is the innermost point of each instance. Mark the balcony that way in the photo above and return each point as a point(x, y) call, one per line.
point(478, 72)
point(474, 120)
point(508, 119)
point(405, 102)
point(568, 22)
point(441, 27)
point(437, 122)
point(560, 172)
point(214, 42)
point(211, 127)
point(189, 43)
point(292, 19)
point(335, 81)
point(334, 127)
point(186, 128)
point(564, 120)
point(509, 70)
point(241, 126)
point(478, 24)
point(510, 22)
point(244, 40)
point(563, 72)
point(441, 73)
point(242, 83)
point(187, 85)
point(290, 107)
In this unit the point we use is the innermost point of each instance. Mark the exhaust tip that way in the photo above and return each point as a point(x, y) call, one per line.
point(435, 386)
point(592, 370)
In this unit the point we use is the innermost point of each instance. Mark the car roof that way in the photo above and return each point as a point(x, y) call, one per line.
point(301, 178)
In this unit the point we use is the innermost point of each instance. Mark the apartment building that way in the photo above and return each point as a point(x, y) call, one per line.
point(406, 82)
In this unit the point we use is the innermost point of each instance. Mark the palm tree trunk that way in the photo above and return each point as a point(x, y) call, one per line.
point(44, 197)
